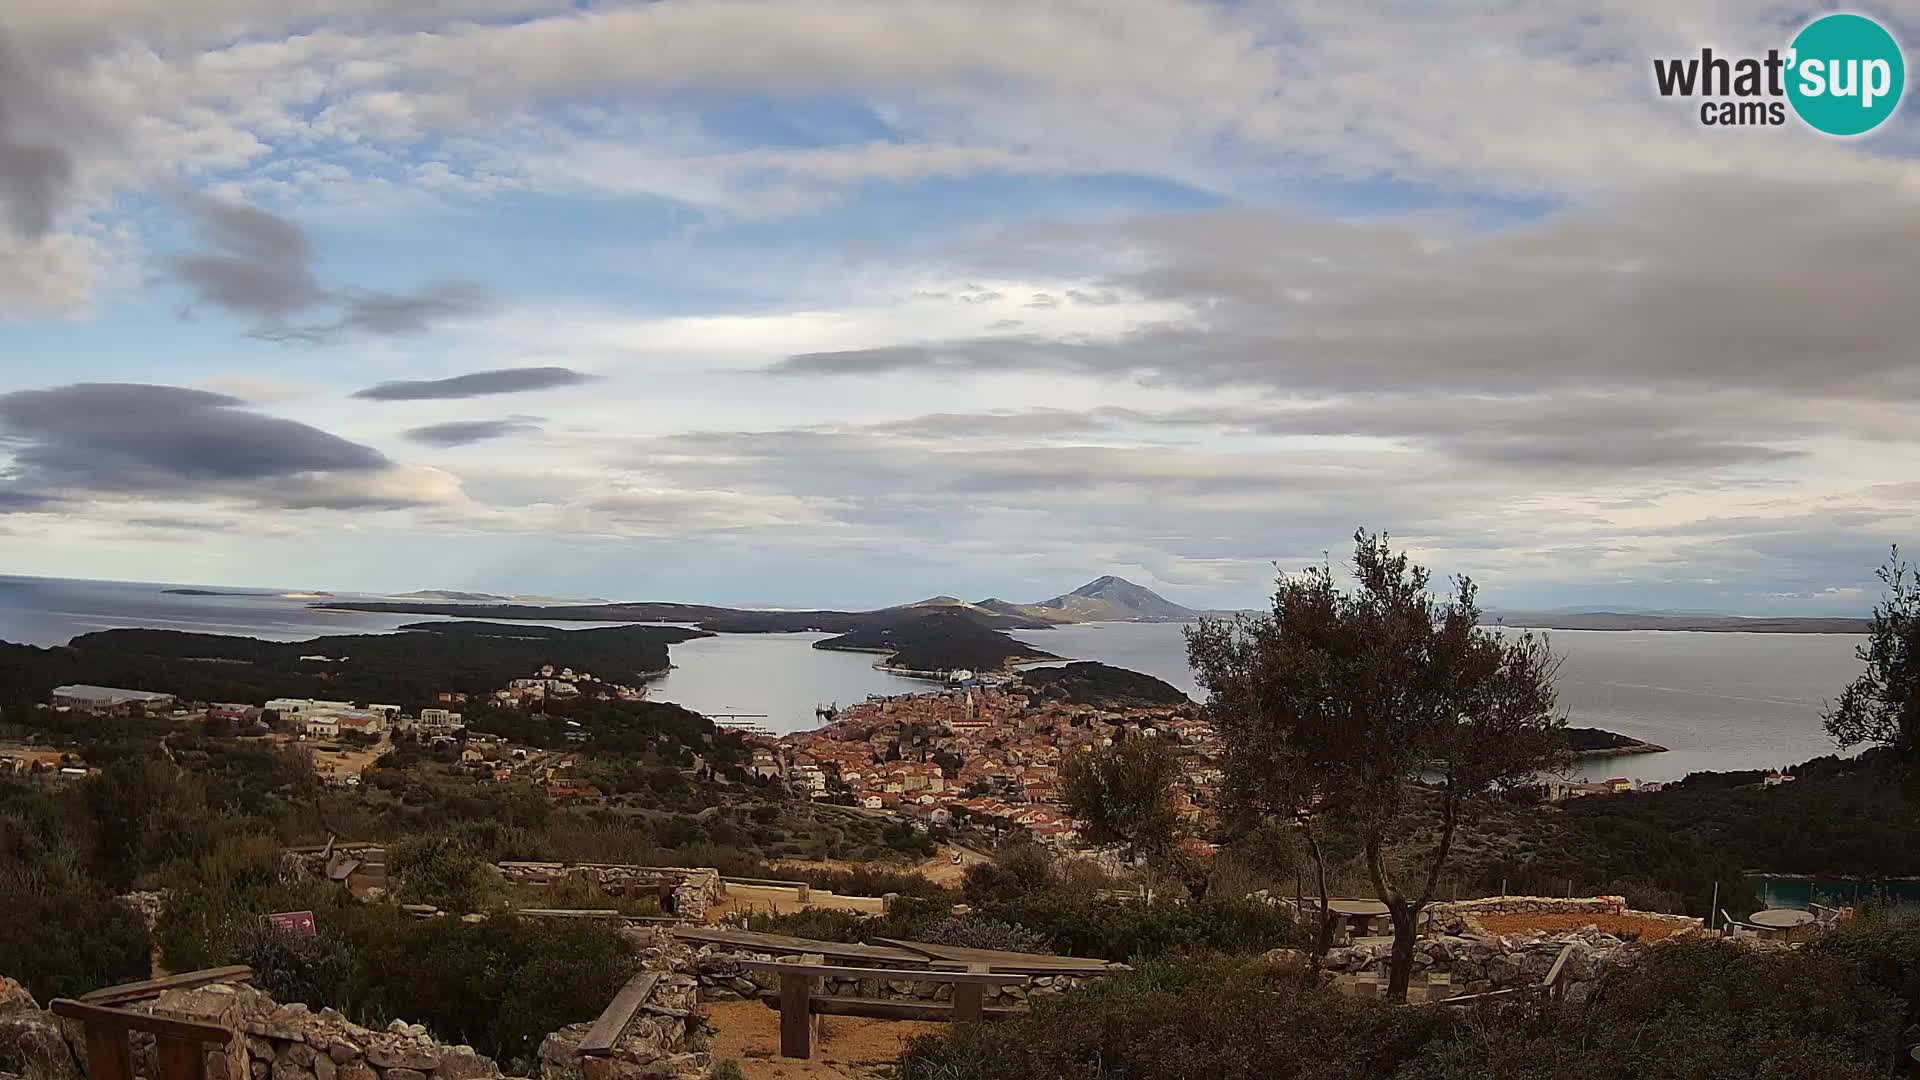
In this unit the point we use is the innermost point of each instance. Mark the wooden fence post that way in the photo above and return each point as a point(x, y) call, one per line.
point(796, 1016)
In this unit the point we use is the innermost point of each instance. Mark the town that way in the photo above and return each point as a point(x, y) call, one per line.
point(984, 752)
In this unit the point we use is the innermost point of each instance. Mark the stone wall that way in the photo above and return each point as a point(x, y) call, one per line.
point(692, 890)
point(293, 1042)
point(1461, 916)
point(723, 978)
point(1477, 965)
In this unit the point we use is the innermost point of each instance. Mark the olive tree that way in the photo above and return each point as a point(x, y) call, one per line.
point(1882, 706)
point(1353, 711)
point(1123, 794)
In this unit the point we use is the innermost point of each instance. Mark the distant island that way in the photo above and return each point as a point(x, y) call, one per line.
point(1626, 620)
point(1594, 742)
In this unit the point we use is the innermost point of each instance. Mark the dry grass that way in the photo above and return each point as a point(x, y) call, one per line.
point(847, 1047)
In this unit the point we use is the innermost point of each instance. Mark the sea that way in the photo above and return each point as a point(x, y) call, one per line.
point(1717, 701)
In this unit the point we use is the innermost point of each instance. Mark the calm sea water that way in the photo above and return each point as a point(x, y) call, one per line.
point(776, 680)
point(1716, 701)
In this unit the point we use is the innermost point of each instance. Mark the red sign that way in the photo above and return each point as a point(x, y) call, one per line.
point(296, 923)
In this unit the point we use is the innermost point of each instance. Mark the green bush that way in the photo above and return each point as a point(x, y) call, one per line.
point(1708, 1011)
point(213, 913)
point(62, 933)
point(499, 985)
point(1184, 1018)
point(444, 872)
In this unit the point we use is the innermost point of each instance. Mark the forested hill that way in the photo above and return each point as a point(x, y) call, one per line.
point(720, 620)
point(406, 669)
point(1102, 685)
point(938, 641)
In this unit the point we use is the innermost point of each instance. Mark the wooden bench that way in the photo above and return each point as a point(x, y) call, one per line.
point(798, 1005)
point(606, 1031)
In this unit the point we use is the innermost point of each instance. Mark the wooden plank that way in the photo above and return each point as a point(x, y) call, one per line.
point(151, 988)
point(613, 1021)
point(957, 978)
point(871, 1009)
point(796, 1016)
point(125, 1020)
point(999, 960)
point(793, 946)
point(109, 1056)
point(180, 1059)
point(1480, 999)
point(970, 998)
point(1551, 984)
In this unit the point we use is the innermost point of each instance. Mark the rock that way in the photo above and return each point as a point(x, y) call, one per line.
point(260, 1070)
point(324, 1068)
point(356, 1070)
point(299, 1053)
point(15, 998)
point(461, 1063)
point(32, 1042)
point(404, 1074)
point(342, 1051)
point(259, 1048)
point(287, 1070)
point(413, 1056)
point(1503, 970)
point(398, 1027)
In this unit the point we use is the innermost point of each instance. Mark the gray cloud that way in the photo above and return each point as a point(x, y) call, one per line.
point(465, 432)
point(1762, 284)
point(477, 384)
point(259, 266)
point(19, 501)
point(35, 170)
point(167, 441)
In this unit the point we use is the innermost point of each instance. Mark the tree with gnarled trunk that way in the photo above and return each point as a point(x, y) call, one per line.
point(1882, 706)
point(1339, 709)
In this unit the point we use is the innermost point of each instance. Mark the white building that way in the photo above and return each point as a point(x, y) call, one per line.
point(106, 698)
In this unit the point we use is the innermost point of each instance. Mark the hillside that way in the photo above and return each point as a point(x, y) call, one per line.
point(405, 669)
point(937, 641)
point(1102, 685)
point(1104, 599)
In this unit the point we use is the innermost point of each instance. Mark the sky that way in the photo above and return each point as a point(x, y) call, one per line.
point(842, 303)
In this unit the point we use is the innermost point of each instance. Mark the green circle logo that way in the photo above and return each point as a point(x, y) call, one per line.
point(1846, 73)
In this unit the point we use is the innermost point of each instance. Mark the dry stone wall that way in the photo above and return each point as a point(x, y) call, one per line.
point(292, 1042)
point(723, 977)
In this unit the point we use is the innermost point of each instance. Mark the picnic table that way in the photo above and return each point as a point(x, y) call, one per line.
point(1781, 922)
point(1358, 914)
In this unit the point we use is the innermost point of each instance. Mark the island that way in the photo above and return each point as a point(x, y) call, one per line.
point(1595, 742)
point(932, 645)
point(1085, 682)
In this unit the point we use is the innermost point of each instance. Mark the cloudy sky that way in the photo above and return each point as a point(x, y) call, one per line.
point(838, 302)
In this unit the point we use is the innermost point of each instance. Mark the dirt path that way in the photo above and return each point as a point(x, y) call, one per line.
point(847, 1048)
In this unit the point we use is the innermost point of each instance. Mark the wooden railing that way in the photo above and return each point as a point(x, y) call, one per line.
point(799, 1005)
point(179, 1045)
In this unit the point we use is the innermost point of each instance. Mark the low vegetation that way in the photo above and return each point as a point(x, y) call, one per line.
point(1706, 1011)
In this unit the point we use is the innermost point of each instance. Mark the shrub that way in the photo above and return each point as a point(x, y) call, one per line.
point(1176, 1019)
point(212, 916)
point(444, 872)
point(975, 933)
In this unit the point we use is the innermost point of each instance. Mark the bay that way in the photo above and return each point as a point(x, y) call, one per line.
point(1716, 701)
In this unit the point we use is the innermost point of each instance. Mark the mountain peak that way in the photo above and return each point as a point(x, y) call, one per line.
point(1104, 583)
